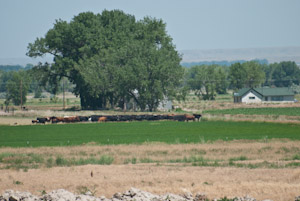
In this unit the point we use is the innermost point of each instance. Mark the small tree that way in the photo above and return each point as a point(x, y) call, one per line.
point(249, 74)
point(206, 81)
point(17, 88)
point(285, 74)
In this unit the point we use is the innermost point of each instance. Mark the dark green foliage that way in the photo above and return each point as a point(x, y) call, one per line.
point(18, 182)
point(285, 74)
point(111, 58)
point(4, 78)
point(237, 76)
point(141, 132)
point(17, 87)
point(296, 157)
point(249, 74)
point(59, 161)
point(241, 158)
point(207, 81)
point(225, 199)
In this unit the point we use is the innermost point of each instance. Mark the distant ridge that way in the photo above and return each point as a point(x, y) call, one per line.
point(274, 54)
point(221, 63)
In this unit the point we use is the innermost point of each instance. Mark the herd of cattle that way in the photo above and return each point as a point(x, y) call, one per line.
point(117, 118)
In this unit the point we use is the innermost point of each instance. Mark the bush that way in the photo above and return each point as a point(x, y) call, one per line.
point(60, 161)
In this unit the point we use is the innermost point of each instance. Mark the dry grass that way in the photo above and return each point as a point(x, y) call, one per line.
point(264, 154)
point(265, 175)
point(275, 184)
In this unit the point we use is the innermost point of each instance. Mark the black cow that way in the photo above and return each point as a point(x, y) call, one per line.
point(197, 116)
point(42, 120)
point(112, 118)
point(95, 117)
point(125, 118)
point(179, 117)
point(140, 117)
point(83, 118)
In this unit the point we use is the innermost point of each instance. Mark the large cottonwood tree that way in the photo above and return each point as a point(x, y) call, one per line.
point(111, 58)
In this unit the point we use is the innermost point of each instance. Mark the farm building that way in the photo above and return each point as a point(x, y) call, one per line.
point(258, 95)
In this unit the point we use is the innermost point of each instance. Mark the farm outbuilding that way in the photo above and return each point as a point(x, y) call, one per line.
point(258, 95)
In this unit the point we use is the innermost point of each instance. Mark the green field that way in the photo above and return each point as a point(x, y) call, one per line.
point(142, 132)
point(289, 111)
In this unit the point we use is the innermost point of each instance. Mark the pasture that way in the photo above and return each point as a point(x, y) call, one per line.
point(232, 151)
point(143, 132)
point(288, 111)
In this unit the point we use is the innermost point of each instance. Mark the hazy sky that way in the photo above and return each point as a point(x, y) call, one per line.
point(193, 24)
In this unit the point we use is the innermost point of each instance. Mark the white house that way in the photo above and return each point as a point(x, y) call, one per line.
point(258, 95)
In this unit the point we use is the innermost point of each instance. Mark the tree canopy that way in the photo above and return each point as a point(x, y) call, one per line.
point(206, 81)
point(111, 58)
point(248, 74)
point(17, 87)
point(285, 74)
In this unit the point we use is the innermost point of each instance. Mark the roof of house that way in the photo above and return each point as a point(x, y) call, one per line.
point(281, 91)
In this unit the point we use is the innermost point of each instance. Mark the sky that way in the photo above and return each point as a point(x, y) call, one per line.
point(193, 24)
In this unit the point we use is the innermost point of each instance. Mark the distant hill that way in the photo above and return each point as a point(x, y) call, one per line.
point(216, 56)
point(276, 54)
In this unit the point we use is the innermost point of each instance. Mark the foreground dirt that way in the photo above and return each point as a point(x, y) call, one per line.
point(275, 184)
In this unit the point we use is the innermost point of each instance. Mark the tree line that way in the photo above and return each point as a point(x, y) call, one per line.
point(111, 58)
point(16, 84)
point(208, 80)
point(8, 68)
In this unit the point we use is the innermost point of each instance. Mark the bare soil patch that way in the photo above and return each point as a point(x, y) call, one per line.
point(15, 121)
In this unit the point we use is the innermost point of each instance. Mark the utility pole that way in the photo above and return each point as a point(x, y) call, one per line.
point(64, 95)
point(21, 95)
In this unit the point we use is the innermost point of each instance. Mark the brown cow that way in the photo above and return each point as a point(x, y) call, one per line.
point(102, 119)
point(71, 119)
point(57, 119)
point(189, 117)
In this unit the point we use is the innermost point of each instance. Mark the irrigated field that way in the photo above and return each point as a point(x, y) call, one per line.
point(289, 111)
point(143, 132)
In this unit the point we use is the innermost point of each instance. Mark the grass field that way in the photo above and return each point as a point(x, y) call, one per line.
point(289, 111)
point(143, 132)
point(223, 155)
